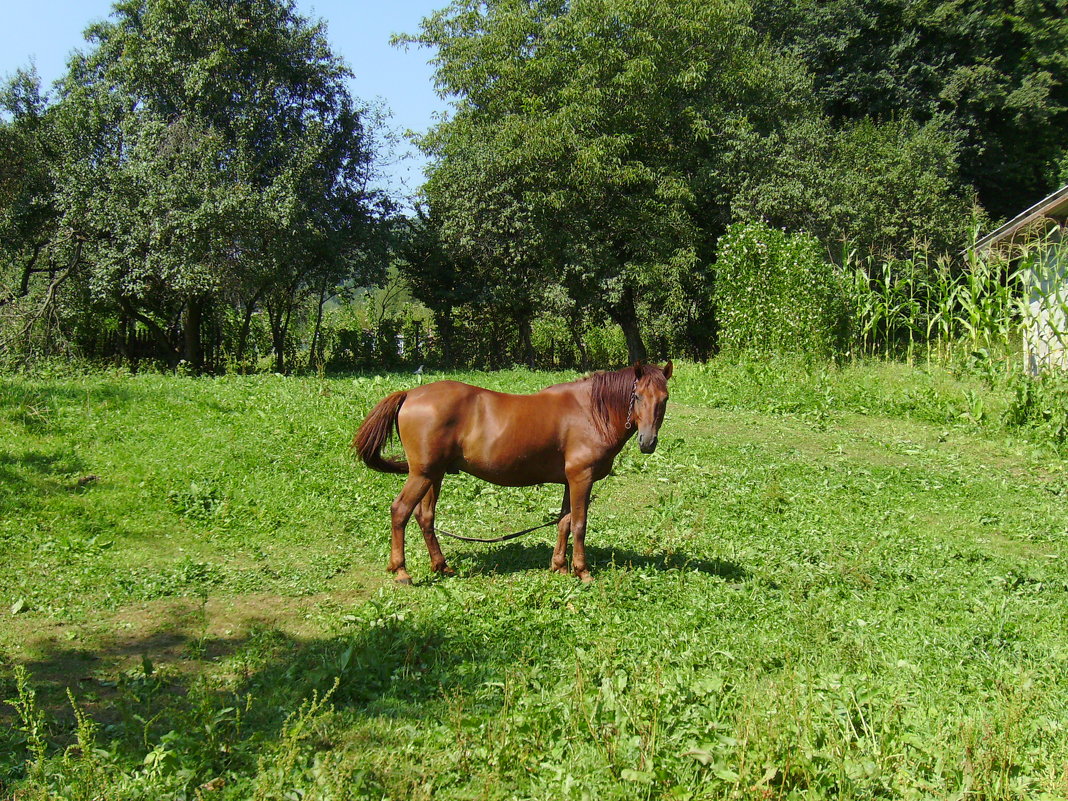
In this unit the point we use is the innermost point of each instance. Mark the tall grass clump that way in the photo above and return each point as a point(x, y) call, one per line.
point(775, 293)
point(1040, 404)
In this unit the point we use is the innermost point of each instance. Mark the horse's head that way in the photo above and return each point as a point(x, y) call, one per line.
point(650, 400)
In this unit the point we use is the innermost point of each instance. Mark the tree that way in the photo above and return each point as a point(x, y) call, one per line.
point(26, 215)
point(866, 186)
point(36, 256)
point(211, 156)
point(441, 282)
point(587, 145)
point(994, 72)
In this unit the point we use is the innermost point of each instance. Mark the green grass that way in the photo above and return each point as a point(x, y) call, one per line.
point(826, 583)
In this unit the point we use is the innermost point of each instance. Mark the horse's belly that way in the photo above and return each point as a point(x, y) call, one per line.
point(522, 472)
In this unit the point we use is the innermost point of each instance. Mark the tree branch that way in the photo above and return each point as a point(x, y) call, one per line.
point(50, 293)
point(157, 332)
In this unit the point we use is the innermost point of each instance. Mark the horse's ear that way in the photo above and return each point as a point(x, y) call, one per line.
point(639, 368)
point(668, 369)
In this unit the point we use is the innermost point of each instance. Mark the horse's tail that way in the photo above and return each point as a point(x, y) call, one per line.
point(376, 430)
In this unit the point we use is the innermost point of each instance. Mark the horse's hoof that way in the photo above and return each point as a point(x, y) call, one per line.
point(406, 582)
point(586, 577)
point(448, 571)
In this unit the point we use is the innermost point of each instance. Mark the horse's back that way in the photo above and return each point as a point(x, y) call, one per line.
point(448, 398)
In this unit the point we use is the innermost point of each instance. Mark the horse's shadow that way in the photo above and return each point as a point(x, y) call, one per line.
point(520, 557)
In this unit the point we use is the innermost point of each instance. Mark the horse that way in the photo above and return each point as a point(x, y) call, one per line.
point(566, 434)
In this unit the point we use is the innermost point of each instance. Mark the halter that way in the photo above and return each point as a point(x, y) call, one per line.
point(630, 409)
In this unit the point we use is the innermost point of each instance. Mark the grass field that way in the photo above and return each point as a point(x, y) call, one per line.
point(826, 583)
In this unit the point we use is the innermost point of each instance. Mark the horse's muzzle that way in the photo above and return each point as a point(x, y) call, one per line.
point(646, 445)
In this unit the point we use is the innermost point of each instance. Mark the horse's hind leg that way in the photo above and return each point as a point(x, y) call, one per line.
point(563, 529)
point(424, 514)
point(400, 513)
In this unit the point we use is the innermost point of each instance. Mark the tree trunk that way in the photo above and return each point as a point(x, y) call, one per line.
point(443, 322)
point(193, 347)
point(626, 317)
point(122, 340)
point(278, 338)
point(246, 324)
point(54, 282)
point(313, 356)
point(29, 269)
point(526, 341)
point(285, 331)
point(278, 342)
point(154, 329)
point(278, 314)
point(575, 327)
point(215, 359)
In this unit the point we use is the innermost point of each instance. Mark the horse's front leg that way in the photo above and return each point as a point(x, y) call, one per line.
point(563, 531)
point(424, 515)
point(400, 513)
point(580, 484)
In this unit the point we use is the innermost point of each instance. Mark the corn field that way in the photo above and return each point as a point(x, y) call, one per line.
point(982, 304)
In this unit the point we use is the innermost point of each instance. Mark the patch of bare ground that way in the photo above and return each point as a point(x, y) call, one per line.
point(177, 637)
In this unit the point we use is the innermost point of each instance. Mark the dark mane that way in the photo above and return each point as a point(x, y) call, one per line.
point(611, 390)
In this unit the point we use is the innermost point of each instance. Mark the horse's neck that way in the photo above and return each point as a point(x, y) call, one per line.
point(617, 430)
point(617, 443)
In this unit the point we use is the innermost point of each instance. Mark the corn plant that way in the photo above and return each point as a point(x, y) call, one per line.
point(989, 302)
point(889, 301)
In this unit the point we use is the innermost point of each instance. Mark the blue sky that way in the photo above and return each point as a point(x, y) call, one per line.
point(48, 31)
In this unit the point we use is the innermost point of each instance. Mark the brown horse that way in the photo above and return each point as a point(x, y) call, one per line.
point(565, 434)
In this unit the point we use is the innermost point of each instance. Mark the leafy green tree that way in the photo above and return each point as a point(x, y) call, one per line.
point(437, 279)
point(26, 214)
point(587, 144)
point(994, 71)
point(485, 227)
point(37, 256)
point(872, 187)
point(210, 157)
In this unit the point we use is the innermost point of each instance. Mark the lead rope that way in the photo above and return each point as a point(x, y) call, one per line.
point(497, 539)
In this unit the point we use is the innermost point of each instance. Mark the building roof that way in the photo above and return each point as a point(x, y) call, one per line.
point(1053, 207)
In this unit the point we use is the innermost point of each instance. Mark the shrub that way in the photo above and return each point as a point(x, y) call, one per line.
point(774, 293)
point(885, 187)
